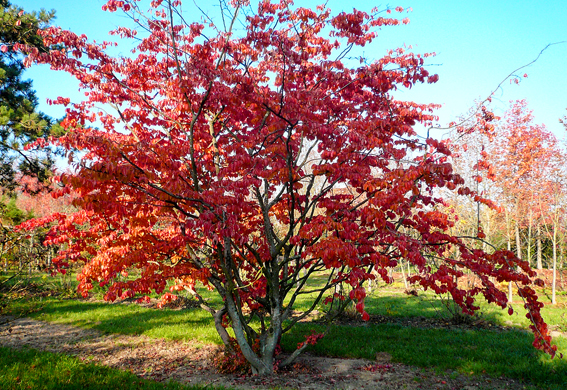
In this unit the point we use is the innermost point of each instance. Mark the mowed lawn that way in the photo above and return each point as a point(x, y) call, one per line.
point(469, 350)
point(31, 369)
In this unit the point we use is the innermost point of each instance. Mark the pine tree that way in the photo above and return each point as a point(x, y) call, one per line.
point(20, 122)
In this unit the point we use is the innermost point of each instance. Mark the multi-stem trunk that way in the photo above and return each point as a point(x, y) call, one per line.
point(261, 358)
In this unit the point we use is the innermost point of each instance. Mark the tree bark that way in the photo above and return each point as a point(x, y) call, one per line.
point(561, 247)
point(508, 241)
point(404, 275)
point(225, 337)
point(554, 281)
point(518, 242)
point(518, 254)
point(529, 248)
point(5, 259)
point(538, 243)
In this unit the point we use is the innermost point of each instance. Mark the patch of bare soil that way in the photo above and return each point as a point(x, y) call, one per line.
point(163, 360)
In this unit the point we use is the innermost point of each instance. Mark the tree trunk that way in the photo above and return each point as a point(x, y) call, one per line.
point(529, 249)
point(518, 254)
point(404, 275)
point(262, 361)
point(5, 259)
point(518, 242)
point(561, 245)
point(508, 241)
point(30, 256)
point(487, 231)
point(554, 282)
point(538, 243)
point(225, 337)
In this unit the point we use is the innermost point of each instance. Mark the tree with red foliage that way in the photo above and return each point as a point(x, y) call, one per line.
point(23, 251)
point(250, 161)
point(553, 200)
point(523, 158)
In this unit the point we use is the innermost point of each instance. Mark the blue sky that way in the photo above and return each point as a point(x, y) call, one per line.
point(478, 43)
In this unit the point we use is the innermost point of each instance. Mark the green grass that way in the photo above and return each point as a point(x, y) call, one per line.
point(509, 353)
point(479, 351)
point(194, 324)
point(31, 369)
point(397, 304)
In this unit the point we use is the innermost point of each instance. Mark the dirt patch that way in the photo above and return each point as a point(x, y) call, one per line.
point(186, 362)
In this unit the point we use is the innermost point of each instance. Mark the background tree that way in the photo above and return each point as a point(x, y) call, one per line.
point(553, 195)
point(22, 252)
point(471, 142)
point(20, 122)
point(520, 161)
point(25, 171)
point(524, 164)
point(249, 162)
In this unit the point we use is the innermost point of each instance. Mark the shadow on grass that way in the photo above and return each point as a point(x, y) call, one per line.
point(476, 351)
point(131, 319)
point(508, 353)
point(31, 369)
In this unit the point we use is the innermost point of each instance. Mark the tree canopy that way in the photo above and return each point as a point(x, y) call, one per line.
point(248, 154)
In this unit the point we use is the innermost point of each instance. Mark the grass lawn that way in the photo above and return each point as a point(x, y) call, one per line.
point(508, 353)
point(31, 369)
point(132, 319)
point(397, 304)
point(476, 351)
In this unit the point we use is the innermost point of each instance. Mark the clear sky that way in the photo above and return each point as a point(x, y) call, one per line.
point(478, 43)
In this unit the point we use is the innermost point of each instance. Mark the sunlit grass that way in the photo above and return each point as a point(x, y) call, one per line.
point(481, 351)
point(508, 353)
point(31, 369)
point(194, 324)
